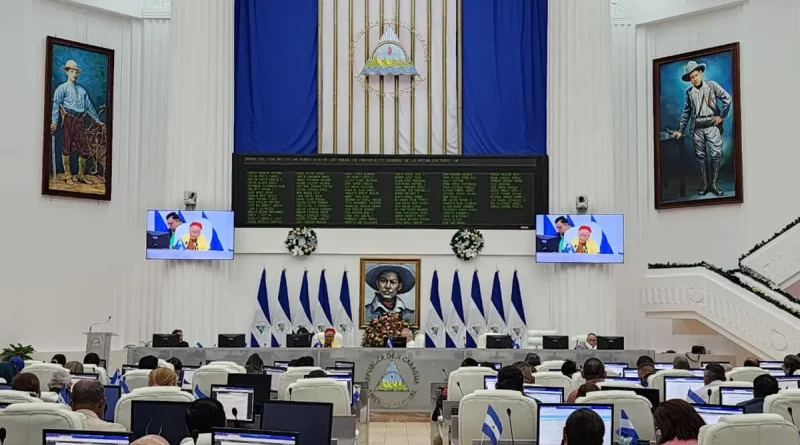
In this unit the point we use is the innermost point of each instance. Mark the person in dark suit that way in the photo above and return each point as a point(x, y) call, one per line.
point(763, 386)
point(181, 343)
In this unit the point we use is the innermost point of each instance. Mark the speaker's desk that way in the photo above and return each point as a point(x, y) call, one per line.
point(397, 379)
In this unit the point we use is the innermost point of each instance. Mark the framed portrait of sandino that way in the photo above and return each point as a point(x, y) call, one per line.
point(78, 121)
point(698, 135)
point(389, 286)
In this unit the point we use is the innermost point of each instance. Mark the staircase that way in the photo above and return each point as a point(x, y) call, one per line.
point(777, 261)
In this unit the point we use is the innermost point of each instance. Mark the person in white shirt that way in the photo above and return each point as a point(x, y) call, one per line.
point(714, 375)
point(589, 343)
point(409, 336)
point(89, 399)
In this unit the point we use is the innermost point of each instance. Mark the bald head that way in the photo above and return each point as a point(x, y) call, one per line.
point(89, 394)
point(680, 362)
point(151, 439)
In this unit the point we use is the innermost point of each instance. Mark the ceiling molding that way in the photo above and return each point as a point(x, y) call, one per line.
point(138, 9)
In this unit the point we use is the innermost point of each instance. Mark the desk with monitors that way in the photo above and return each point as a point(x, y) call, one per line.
point(224, 436)
point(489, 381)
point(261, 382)
point(164, 418)
point(275, 373)
point(650, 394)
point(731, 396)
point(618, 368)
point(70, 437)
point(553, 417)
point(678, 387)
point(767, 364)
point(240, 398)
point(544, 394)
point(788, 381)
point(712, 413)
point(663, 366)
point(630, 372)
point(113, 393)
point(294, 416)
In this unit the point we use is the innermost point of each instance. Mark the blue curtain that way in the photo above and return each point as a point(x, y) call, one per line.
point(504, 77)
point(275, 93)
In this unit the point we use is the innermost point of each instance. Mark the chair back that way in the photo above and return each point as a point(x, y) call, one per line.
point(535, 337)
point(466, 380)
point(656, 381)
point(321, 390)
point(11, 396)
point(555, 380)
point(714, 399)
point(213, 374)
point(292, 375)
point(44, 372)
point(24, 422)
point(122, 412)
point(549, 365)
point(638, 409)
point(781, 402)
point(136, 378)
point(750, 429)
point(234, 367)
point(472, 413)
point(101, 372)
point(744, 374)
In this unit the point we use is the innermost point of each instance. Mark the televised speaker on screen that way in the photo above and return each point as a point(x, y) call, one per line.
point(579, 238)
point(189, 235)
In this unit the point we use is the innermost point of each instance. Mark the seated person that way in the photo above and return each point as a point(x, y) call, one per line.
point(330, 339)
point(18, 363)
point(645, 370)
point(91, 359)
point(469, 362)
point(526, 370)
point(89, 399)
point(584, 427)
point(589, 343)
point(752, 362)
point(317, 374)
point(26, 382)
point(510, 378)
point(60, 379)
point(714, 375)
point(680, 362)
point(303, 361)
point(791, 363)
point(181, 343)
point(677, 423)
point(584, 243)
point(74, 366)
point(586, 388)
point(254, 364)
point(593, 371)
point(203, 415)
point(176, 363)
point(162, 377)
point(644, 359)
point(60, 359)
point(409, 336)
point(533, 359)
point(148, 362)
point(763, 386)
point(568, 368)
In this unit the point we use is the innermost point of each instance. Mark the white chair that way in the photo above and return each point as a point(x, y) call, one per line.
point(577, 380)
point(32, 362)
point(101, 372)
point(202, 439)
point(165, 364)
point(122, 412)
point(214, 374)
point(555, 380)
point(136, 378)
point(49, 397)
point(11, 396)
point(24, 422)
point(466, 380)
point(473, 407)
point(779, 404)
point(750, 429)
point(578, 340)
point(535, 337)
point(44, 372)
point(550, 365)
point(656, 381)
point(2, 380)
point(482, 341)
point(638, 409)
point(233, 366)
point(419, 339)
point(714, 398)
point(292, 375)
point(321, 390)
point(744, 374)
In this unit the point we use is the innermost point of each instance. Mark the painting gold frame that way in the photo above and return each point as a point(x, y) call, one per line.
point(410, 263)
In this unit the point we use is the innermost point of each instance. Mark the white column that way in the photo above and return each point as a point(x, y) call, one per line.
point(582, 297)
point(200, 143)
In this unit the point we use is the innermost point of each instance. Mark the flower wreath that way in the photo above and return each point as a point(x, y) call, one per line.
point(467, 243)
point(301, 241)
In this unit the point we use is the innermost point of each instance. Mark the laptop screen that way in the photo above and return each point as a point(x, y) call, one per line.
point(775, 372)
point(341, 364)
point(126, 368)
point(553, 417)
point(112, 397)
point(788, 382)
point(82, 376)
point(280, 364)
point(544, 394)
point(60, 437)
point(255, 437)
point(163, 418)
point(339, 371)
point(618, 368)
point(699, 372)
point(661, 366)
point(734, 396)
point(187, 374)
point(240, 398)
point(712, 413)
point(630, 372)
point(766, 364)
point(275, 373)
point(294, 416)
point(678, 387)
point(489, 381)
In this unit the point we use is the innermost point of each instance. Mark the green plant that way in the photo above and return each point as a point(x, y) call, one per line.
point(18, 350)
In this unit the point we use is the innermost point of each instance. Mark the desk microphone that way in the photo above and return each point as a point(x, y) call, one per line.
point(459, 388)
point(235, 413)
point(98, 324)
point(446, 375)
point(709, 396)
point(510, 425)
point(788, 408)
point(290, 396)
point(2, 435)
point(195, 434)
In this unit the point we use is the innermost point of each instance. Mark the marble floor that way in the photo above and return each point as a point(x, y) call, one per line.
point(399, 433)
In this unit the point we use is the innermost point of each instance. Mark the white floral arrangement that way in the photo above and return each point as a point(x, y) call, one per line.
point(467, 243)
point(301, 241)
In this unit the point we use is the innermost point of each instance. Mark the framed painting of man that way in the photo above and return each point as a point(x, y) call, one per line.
point(78, 120)
point(390, 286)
point(697, 128)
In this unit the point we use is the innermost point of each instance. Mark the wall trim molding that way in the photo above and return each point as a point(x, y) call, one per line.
point(675, 10)
point(137, 9)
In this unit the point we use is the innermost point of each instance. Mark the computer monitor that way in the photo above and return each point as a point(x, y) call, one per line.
point(164, 418)
point(767, 364)
point(76, 376)
point(553, 417)
point(187, 374)
point(275, 373)
point(227, 436)
point(4, 386)
point(678, 387)
point(280, 364)
point(166, 340)
point(261, 382)
point(698, 372)
point(75, 437)
point(630, 372)
point(498, 341)
point(732, 396)
point(103, 363)
point(650, 394)
point(775, 372)
point(663, 366)
point(544, 394)
point(126, 368)
point(617, 367)
point(240, 398)
point(623, 379)
point(610, 343)
point(343, 364)
point(788, 382)
point(299, 340)
point(231, 340)
point(347, 380)
point(284, 415)
point(703, 364)
point(712, 413)
point(338, 371)
point(113, 393)
point(489, 381)
point(396, 342)
point(555, 342)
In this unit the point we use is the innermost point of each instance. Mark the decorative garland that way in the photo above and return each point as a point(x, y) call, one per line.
point(467, 243)
point(729, 275)
point(301, 241)
point(768, 240)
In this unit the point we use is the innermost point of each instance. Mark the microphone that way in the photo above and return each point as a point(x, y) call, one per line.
point(459, 388)
point(709, 396)
point(788, 408)
point(510, 425)
point(2, 435)
point(98, 324)
point(446, 375)
point(290, 396)
point(235, 413)
point(195, 434)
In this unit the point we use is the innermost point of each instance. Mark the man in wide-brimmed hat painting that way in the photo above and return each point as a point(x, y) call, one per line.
point(388, 281)
point(707, 105)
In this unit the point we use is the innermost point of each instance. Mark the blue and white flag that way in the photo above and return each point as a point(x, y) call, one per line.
point(492, 426)
point(343, 320)
point(317, 343)
point(496, 322)
point(626, 432)
point(281, 321)
point(434, 322)
point(114, 378)
point(694, 398)
point(199, 394)
point(517, 324)
point(389, 343)
point(200, 345)
point(476, 318)
point(302, 314)
point(63, 396)
point(322, 312)
point(261, 328)
point(456, 328)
